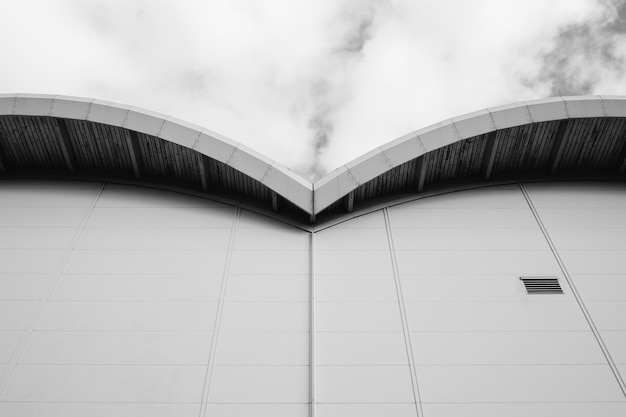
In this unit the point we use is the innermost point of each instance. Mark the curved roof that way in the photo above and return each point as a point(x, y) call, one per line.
point(86, 137)
point(258, 167)
point(578, 133)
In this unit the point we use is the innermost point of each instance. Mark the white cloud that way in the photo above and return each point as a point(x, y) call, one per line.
point(311, 84)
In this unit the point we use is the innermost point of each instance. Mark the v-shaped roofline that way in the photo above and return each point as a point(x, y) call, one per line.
point(313, 198)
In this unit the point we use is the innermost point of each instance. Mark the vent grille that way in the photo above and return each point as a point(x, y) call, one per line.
point(542, 285)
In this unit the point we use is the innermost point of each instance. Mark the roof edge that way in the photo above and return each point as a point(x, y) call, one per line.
point(273, 175)
point(348, 177)
point(313, 198)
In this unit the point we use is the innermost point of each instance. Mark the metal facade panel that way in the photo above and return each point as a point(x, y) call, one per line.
point(616, 342)
point(23, 287)
point(367, 316)
point(260, 384)
point(137, 287)
point(15, 314)
point(354, 262)
point(367, 410)
point(271, 239)
point(48, 197)
point(601, 287)
point(155, 316)
point(459, 239)
point(582, 195)
point(253, 287)
point(585, 218)
point(506, 348)
point(361, 288)
point(544, 409)
point(361, 348)
point(36, 261)
point(92, 383)
point(454, 218)
point(117, 348)
point(272, 316)
point(36, 237)
point(261, 410)
point(172, 238)
point(364, 384)
point(491, 316)
point(518, 384)
point(79, 409)
point(263, 348)
point(270, 262)
point(336, 238)
point(116, 195)
point(9, 339)
point(155, 261)
point(160, 217)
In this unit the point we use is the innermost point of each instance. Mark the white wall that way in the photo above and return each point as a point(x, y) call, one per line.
point(120, 301)
point(109, 299)
point(479, 342)
point(587, 224)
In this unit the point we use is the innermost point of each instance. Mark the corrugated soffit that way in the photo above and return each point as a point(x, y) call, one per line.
point(65, 137)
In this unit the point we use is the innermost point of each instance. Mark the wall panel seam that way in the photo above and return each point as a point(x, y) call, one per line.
point(218, 317)
point(575, 292)
point(313, 330)
point(403, 316)
point(19, 349)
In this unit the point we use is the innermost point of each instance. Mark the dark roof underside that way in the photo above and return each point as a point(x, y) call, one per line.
point(51, 147)
point(572, 148)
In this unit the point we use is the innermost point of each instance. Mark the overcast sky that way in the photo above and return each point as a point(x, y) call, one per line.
point(313, 84)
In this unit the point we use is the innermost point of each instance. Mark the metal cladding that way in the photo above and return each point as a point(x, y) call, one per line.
point(149, 268)
point(108, 139)
point(575, 137)
point(125, 300)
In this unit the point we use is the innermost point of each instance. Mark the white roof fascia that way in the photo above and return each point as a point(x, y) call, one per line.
point(584, 106)
point(341, 181)
point(274, 176)
point(614, 106)
point(336, 184)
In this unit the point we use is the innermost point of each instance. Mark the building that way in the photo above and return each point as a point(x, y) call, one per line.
point(149, 267)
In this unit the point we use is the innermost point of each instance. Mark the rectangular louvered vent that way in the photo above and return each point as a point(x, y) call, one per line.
point(542, 285)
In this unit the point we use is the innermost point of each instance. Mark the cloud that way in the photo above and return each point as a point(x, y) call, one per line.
point(584, 53)
point(330, 89)
point(314, 83)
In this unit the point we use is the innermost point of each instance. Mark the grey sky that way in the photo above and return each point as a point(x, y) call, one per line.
point(313, 83)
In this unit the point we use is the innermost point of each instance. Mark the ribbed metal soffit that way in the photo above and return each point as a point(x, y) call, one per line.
point(65, 137)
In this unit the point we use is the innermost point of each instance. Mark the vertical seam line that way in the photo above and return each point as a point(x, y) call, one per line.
point(575, 292)
point(313, 330)
point(403, 317)
point(43, 301)
point(218, 317)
